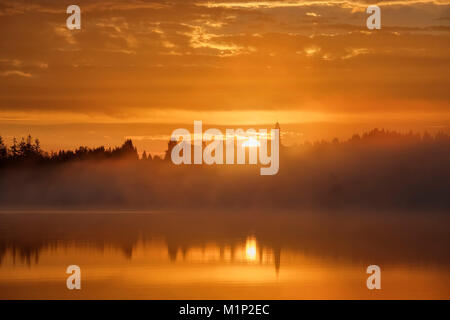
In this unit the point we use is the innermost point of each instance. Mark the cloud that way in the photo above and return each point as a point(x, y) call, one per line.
point(65, 33)
point(201, 38)
point(15, 73)
point(301, 3)
point(20, 63)
point(11, 62)
point(15, 7)
point(311, 51)
point(354, 52)
point(134, 56)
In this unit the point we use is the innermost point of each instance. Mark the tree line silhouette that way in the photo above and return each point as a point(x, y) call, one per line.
point(29, 150)
point(376, 169)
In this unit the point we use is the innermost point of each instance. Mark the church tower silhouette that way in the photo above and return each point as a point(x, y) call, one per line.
point(277, 126)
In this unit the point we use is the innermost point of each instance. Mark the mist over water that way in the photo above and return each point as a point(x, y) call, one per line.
point(378, 170)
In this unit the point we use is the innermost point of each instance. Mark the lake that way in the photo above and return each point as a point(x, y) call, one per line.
point(224, 254)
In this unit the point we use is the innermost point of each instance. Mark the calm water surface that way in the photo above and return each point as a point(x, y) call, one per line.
point(223, 255)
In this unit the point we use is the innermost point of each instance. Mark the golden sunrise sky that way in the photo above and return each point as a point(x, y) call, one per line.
point(140, 68)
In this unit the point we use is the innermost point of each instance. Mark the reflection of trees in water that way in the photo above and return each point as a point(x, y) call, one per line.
point(362, 238)
point(25, 252)
point(264, 253)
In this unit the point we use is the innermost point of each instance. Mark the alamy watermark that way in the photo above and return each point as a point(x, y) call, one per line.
point(374, 20)
point(73, 22)
point(74, 280)
point(374, 280)
point(251, 142)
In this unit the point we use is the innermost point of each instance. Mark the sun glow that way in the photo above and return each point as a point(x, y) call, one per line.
point(250, 249)
point(251, 142)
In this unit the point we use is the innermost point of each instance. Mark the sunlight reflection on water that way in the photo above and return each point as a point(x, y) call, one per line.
point(149, 257)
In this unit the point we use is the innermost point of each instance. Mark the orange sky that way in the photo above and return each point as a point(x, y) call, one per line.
point(223, 62)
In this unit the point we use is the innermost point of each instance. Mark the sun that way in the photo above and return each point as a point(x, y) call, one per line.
point(251, 142)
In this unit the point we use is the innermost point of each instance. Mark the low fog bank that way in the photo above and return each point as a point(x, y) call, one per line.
point(377, 170)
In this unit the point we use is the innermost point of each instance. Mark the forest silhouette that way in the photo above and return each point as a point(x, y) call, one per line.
point(377, 169)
